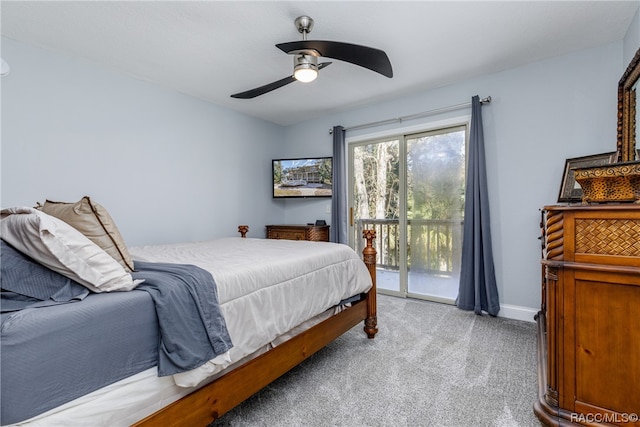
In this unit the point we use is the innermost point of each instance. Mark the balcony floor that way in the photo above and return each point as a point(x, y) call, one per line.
point(423, 284)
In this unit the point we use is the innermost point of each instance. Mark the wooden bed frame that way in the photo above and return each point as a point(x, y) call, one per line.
point(215, 399)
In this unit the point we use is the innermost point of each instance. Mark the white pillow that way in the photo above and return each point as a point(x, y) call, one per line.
point(62, 248)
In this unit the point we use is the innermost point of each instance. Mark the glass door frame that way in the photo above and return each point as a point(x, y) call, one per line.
point(401, 134)
point(432, 132)
point(402, 272)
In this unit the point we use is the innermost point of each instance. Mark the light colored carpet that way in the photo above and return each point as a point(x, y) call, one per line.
point(430, 365)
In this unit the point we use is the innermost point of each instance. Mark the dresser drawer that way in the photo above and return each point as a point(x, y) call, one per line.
point(287, 234)
point(314, 233)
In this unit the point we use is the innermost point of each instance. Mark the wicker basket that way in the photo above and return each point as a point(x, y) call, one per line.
point(619, 182)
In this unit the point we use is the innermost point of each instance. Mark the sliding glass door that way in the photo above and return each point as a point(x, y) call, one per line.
point(410, 189)
point(375, 204)
point(435, 206)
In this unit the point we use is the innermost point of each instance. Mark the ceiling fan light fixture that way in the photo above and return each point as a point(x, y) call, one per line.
point(305, 75)
point(305, 68)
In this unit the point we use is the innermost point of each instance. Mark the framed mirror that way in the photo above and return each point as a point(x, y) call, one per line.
point(620, 181)
point(627, 147)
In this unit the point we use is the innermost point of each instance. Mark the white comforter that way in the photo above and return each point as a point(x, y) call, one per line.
point(265, 287)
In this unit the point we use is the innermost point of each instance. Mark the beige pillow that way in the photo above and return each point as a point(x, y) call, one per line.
point(57, 245)
point(93, 221)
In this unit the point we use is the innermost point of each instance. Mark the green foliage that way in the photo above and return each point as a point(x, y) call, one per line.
point(324, 168)
point(435, 176)
point(435, 184)
point(380, 159)
point(277, 173)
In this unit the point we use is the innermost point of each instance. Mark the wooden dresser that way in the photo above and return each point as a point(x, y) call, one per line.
point(589, 323)
point(315, 233)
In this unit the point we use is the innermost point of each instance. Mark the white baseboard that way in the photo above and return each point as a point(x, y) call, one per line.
point(517, 312)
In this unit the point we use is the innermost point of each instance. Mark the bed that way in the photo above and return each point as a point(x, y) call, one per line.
point(279, 302)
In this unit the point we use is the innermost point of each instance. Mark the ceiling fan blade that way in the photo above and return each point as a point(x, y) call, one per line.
point(264, 89)
point(367, 57)
point(271, 86)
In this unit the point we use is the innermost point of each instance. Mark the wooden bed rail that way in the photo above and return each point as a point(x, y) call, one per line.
point(205, 405)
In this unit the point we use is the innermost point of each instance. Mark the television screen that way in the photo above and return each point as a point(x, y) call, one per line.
point(305, 177)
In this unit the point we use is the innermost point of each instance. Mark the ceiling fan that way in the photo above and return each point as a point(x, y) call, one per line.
point(305, 59)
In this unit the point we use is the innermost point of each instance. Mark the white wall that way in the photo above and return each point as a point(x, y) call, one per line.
point(168, 167)
point(540, 115)
point(631, 42)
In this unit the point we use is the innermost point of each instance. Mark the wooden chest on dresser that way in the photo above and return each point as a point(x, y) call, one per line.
point(316, 233)
point(589, 322)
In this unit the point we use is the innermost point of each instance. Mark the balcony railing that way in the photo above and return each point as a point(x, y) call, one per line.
point(434, 246)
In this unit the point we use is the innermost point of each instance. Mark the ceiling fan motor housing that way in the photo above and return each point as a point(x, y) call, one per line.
point(304, 24)
point(305, 61)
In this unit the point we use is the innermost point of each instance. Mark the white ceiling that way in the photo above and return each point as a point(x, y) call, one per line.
point(211, 49)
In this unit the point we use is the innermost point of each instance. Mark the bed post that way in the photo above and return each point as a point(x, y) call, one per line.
point(242, 229)
point(369, 256)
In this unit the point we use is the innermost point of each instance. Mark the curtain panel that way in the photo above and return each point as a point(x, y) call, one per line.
point(339, 204)
point(478, 290)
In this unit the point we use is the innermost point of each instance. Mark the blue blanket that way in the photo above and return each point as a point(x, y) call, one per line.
point(192, 329)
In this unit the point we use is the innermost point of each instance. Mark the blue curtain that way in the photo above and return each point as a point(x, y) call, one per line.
point(338, 228)
point(478, 290)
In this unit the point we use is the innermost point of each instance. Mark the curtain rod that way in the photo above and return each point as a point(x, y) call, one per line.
point(415, 116)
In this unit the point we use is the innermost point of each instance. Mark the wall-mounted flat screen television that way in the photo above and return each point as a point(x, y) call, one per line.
point(304, 177)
